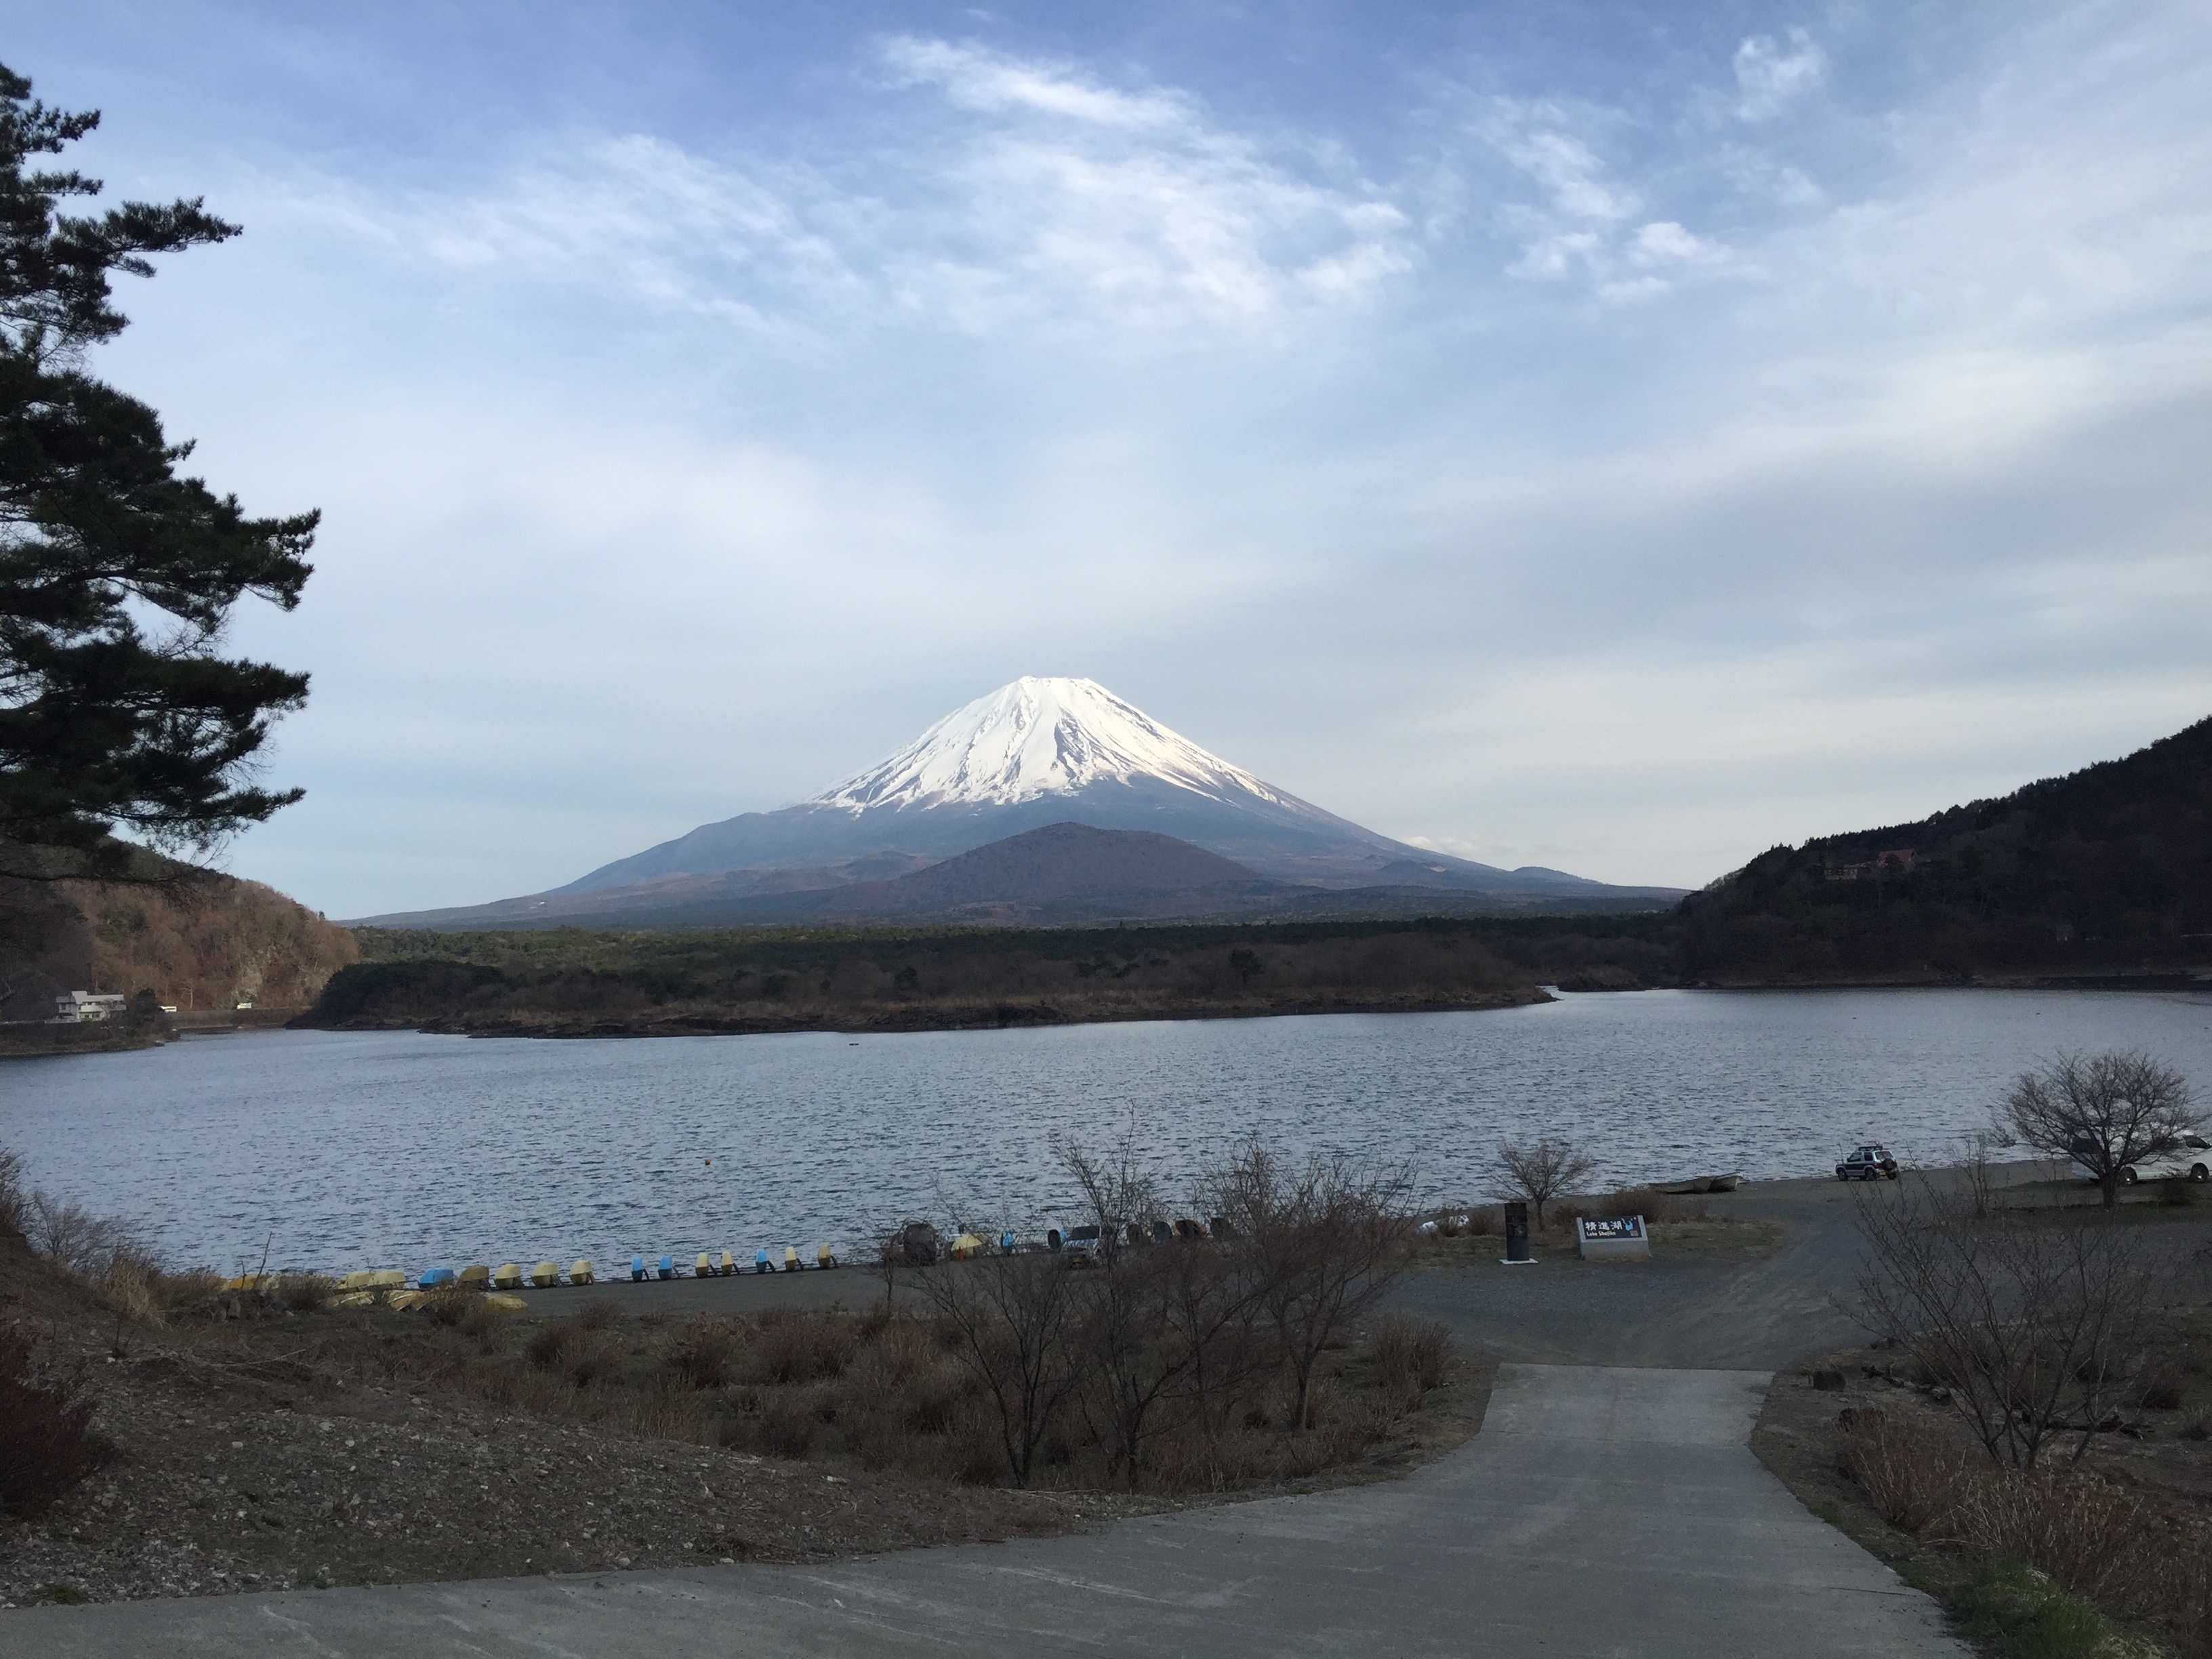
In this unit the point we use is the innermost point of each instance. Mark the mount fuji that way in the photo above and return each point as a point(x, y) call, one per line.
point(1034, 753)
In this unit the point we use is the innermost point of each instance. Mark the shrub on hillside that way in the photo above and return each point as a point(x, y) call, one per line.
point(46, 1440)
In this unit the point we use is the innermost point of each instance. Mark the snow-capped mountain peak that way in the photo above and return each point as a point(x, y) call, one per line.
point(1039, 737)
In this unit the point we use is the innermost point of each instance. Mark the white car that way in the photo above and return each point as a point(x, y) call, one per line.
point(2191, 1160)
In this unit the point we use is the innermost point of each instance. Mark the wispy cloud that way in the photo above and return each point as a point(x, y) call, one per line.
point(975, 77)
point(1769, 78)
point(1024, 192)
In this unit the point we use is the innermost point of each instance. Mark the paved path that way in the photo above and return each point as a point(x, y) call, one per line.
point(1761, 1313)
point(1600, 1512)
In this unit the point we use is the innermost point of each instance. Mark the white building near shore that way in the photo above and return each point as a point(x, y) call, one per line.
point(84, 1007)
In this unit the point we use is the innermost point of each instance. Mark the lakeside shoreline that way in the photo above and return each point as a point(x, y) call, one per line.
point(891, 1020)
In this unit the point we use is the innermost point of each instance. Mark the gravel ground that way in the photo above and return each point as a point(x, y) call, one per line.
point(247, 1459)
point(293, 1451)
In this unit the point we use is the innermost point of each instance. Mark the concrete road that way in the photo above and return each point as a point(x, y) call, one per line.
point(1601, 1511)
point(1762, 1313)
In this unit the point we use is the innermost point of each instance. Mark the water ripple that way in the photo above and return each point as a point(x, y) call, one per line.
point(342, 1149)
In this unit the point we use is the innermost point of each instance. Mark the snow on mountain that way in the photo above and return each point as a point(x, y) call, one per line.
point(1044, 751)
point(1039, 737)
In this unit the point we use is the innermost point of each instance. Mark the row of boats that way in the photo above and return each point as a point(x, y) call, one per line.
point(918, 1244)
point(391, 1287)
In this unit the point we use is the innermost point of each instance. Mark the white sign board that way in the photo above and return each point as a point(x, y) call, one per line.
point(1610, 1238)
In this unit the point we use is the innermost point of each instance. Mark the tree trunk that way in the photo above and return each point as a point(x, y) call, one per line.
point(2110, 1185)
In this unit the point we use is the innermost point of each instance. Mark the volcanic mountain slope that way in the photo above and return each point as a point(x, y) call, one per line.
point(1034, 753)
point(1060, 869)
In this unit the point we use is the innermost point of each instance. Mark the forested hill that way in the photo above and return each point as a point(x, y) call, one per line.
point(2106, 869)
point(198, 940)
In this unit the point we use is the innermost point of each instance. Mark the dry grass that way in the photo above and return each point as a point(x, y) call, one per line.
point(2131, 1554)
point(886, 1389)
point(1411, 1356)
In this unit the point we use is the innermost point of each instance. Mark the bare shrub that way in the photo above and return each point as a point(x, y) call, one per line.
point(579, 1349)
point(784, 1427)
point(1653, 1205)
point(1014, 1319)
point(75, 1237)
point(132, 1287)
point(2092, 1537)
point(2159, 1390)
point(194, 1295)
point(1411, 1356)
point(303, 1292)
point(46, 1440)
point(596, 1317)
point(14, 1202)
point(2034, 1325)
point(1321, 1245)
point(1913, 1480)
point(1542, 1172)
point(702, 1352)
point(449, 1305)
point(485, 1324)
point(796, 1344)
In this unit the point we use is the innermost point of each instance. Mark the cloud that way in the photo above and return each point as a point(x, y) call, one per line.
point(1769, 78)
point(1534, 140)
point(976, 78)
point(1664, 242)
point(1028, 194)
point(1126, 208)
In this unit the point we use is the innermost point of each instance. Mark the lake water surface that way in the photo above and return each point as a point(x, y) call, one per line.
point(336, 1149)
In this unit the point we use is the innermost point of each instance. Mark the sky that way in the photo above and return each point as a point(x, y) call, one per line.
point(1615, 437)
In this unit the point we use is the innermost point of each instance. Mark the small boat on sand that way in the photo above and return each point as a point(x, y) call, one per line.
point(1696, 1184)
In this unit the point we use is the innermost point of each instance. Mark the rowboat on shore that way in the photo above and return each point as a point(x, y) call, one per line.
point(1696, 1184)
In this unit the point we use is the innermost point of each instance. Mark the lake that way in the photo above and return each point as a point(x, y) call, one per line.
point(336, 1150)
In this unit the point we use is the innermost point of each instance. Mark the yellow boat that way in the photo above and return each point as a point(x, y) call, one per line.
point(500, 1302)
point(475, 1278)
point(545, 1275)
point(580, 1272)
point(508, 1276)
point(822, 1258)
point(729, 1263)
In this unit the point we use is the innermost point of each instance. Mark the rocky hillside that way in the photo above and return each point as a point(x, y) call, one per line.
point(198, 942)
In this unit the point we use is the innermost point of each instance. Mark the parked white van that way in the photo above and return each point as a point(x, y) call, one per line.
point(2191, 1160)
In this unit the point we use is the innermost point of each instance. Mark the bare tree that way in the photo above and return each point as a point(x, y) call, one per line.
point(1322, 1242)
point(1132, 1360)
point(1215, 1311)
point(75, 1237)
point(1016, 1318)
point(891, 1256)
point(2034, 1324)
point(1542, 1172)
point(2107, 1112)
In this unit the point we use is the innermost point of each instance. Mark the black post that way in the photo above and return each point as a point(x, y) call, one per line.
point(1516, 1235)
